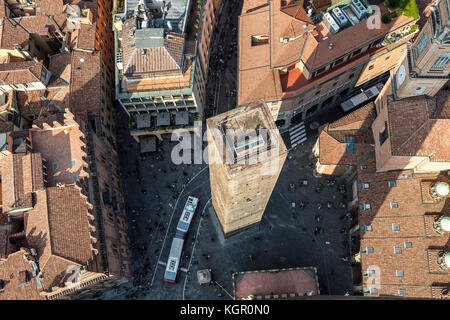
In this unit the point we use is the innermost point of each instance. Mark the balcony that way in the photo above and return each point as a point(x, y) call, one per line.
point(405, 34)
point(193, 23)
point(21, 8)
point(119, 6)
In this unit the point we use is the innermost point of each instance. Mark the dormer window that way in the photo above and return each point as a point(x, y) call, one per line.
point(260, 39)
point(364, 185)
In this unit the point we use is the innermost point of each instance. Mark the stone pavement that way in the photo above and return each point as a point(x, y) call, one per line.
point(285, 238)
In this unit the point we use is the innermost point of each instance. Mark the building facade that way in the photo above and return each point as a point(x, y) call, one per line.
point(54, 73)
point(301, 63)
point(400, 183)
point(161, 63)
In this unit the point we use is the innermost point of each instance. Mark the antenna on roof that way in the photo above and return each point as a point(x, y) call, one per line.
point(164, 10)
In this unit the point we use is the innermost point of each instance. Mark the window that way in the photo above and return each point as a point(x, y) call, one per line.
point(74, 177)
point(442, 62)
point(397, 250)
point(350, 144)
point(395, 227)
point(365, 228)
point(384, 134)
point(364, 206)
point(408, 244)
point(260, 39)
point(73, 163)
point(356, 52)
point(394, 205)
point(338, 61)
point(402, 292)
point(364, 185)
point(405, 176)
point(55, 166)
point(320, 70)
point(391, 184)
point(363, 167)
point(373, 291)
point(367, 250)
point(399, 273)
point(422, 43)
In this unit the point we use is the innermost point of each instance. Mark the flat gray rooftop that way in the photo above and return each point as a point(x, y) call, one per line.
point(177, 10)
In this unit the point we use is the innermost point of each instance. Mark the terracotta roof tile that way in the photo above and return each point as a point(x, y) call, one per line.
point(163, 55)
point(425, 135)
point(21, 72)
point(11, 271)
point(415, 218)
point(86, 37)
point(85, 84)
point(275, 282)
point(256, 62)
point(21, 175)
point(68, 224)
point(332, 144)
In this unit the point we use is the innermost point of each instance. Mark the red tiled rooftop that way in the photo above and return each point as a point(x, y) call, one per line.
point(257, 75)
point(415, 215)
point(426, 134)
point(271, 282)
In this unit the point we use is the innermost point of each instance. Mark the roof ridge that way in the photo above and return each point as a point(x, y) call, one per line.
point(129, 60)
point(369, 105)
point(171, 57)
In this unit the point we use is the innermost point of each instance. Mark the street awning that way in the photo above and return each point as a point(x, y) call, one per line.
point(143, 121)
point(148, 144)
point(182, 118)
point(163, 119)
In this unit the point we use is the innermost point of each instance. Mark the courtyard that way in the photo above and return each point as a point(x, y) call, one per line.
point(288, 235)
